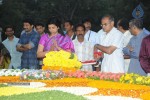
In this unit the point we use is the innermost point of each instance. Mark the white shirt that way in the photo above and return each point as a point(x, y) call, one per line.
point(113, 62)
point(91, 36)
point(84, 52)
point(127, 37)
point(15, 55)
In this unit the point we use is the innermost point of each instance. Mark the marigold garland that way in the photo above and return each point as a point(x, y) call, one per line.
point(61, 60)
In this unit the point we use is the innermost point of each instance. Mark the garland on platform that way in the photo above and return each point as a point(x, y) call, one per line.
point(61, 60)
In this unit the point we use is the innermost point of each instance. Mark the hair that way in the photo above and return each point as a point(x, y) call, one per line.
point(28, 20)
point(86, 20)
point(111, 18)
point(69, 21)
point(137, 23)
point(57, 22)
point(124, 23)
point(39, 24)
point(79, 25)
point(9, 26)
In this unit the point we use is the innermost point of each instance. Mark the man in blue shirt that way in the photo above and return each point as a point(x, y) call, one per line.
point(28, 44)
point(133, 48)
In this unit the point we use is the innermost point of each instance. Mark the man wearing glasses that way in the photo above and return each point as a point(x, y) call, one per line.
point(111, 43)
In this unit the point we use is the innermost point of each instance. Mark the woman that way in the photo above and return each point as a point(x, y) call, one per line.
point(4, 57)
point(54, 40)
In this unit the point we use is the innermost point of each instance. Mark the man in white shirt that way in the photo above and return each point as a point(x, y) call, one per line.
point(83, 48)
point(10, 43)
point(111, 44)
point(123, 26)
point(90, 35)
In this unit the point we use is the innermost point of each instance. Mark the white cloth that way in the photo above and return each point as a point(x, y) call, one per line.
point(127, 37)
point(84, 52)
point(91, 36)
point(15, 55)
point(113, 62)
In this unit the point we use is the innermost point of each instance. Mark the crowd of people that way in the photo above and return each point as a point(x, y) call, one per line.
point(124, 48)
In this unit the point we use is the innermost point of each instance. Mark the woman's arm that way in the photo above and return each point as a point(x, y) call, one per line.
point(40, 52)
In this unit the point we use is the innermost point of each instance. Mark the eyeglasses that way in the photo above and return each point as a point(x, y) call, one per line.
point(102, 25)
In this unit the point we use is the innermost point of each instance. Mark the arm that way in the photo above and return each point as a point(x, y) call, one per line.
point(40, 52)
point(105, 49)
point(1, 59)
point(144, 56)
point(21, 48)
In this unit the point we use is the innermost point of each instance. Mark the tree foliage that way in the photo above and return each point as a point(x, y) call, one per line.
point(14, 11)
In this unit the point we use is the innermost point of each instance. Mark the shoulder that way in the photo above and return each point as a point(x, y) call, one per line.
point(147, 38)
point(5, 41)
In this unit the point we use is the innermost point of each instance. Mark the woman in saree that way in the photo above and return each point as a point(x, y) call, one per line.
point(54, 40)
point(4, 57)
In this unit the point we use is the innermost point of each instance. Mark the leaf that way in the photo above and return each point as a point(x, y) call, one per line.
point(71, 56)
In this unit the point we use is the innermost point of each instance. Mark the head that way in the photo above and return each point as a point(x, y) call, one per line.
point(9, 31)
point(54, 26)
point(87, 23)
point(123, 25)
point(40, 28)
point(28, 25)
point(135, 26)
point(80, 30)
point(68, 25)
point(107, 23)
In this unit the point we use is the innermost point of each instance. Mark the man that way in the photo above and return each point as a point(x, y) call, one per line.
point(133, 48)
point(10, 43)
point(28, 44)
point(83, 48)
point(123, 26)
point(90, 35)
point(111, 42)
point(40, 28)
point(68, 25)
point(145, 55)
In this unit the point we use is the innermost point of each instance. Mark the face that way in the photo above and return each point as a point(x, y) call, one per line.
point(132, 29)
point(119, 27)
point(67, 26)
point(27, 27)
point(80, 32)
point(53, 29)
point(87, 25)
point(9, 32)
point(107, 25)
point(40, 29)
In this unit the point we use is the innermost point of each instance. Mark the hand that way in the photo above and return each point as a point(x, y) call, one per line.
point(130, 48)
point(56, 45)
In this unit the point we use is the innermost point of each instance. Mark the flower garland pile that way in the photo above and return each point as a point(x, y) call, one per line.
point(135, 79)
point(41, 75)
point(61, 60)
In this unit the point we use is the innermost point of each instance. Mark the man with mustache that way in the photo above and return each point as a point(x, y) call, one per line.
point(83, 48)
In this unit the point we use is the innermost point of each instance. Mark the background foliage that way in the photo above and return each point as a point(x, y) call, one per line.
point(14, 11)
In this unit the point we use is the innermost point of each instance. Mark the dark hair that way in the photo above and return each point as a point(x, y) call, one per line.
point(124, 23)
point(9, 26)
point(39, 24)
point(28, 20)
point(137, 23)
point(57, 22)
point(69, 21)
point(111, 18)
point(87, 19)
point(79, 25)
